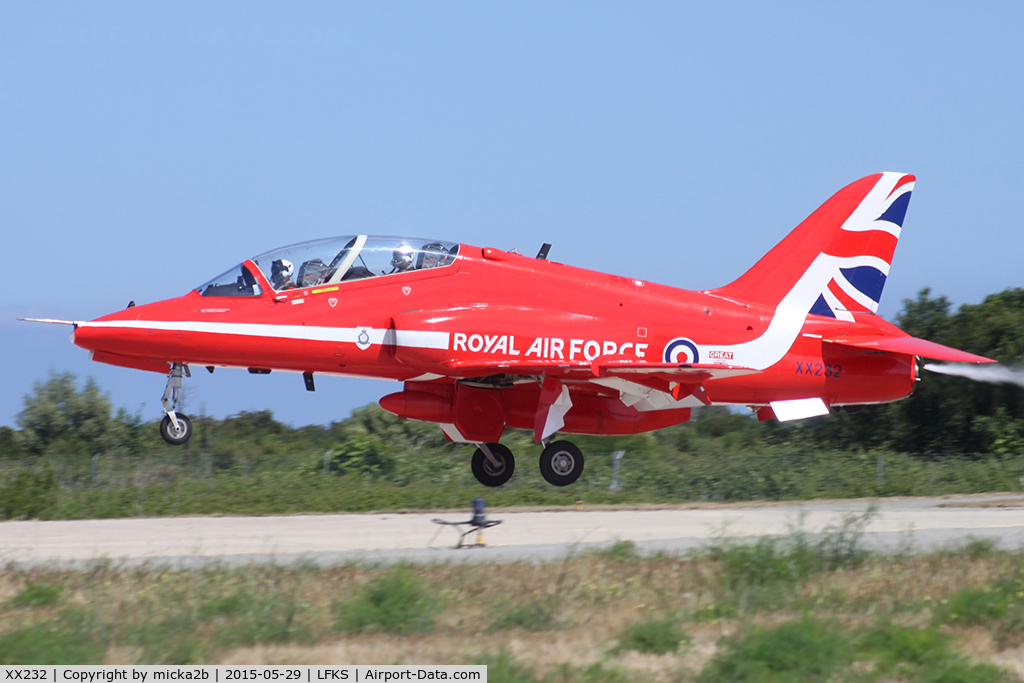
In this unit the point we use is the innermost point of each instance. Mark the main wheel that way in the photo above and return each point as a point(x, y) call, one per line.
point(176, 437)
point(561, 463)
point(493, 474)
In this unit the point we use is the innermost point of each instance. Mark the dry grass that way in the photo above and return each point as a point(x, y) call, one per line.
point(594, 599)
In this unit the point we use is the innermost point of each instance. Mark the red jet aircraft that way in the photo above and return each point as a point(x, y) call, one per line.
point(485, 340)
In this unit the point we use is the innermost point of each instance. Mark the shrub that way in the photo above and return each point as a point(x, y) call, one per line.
point(172, 640)
point(535, 616)
point(653, 637)
point(73, 637)
point(36, 595)
point(960, 671)
point(231, 605)
point(503, 668)
point(595, 673)
point(397, 602)
point(892, 645)
point(974, 606)
point(269, 620)
point(806, 650)
point(31, 495)
point(619, 550)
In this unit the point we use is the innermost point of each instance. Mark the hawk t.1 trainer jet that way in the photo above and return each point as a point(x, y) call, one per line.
point(485, 340)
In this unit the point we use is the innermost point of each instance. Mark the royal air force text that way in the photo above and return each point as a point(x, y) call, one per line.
point(549, 348)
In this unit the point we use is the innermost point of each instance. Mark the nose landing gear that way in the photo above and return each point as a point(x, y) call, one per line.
point(175, 429)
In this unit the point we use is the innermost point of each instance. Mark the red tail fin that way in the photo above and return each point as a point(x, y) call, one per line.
point(837, 260)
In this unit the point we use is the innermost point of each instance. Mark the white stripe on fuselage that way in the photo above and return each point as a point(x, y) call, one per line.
point(420, 339)
point(770, 347)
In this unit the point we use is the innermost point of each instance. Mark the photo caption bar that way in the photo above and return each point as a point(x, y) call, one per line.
point(218, 673)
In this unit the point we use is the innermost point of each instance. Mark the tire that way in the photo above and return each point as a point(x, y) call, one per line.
point(561, 463)
point(486, 472)
point(176, 437)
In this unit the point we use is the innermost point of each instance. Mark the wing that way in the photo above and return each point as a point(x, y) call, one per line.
point(642, 386)
point(669, 372)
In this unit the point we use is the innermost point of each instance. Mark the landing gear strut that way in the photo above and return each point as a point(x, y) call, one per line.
point(561, 463)
point(493, 464)
point(175, 429)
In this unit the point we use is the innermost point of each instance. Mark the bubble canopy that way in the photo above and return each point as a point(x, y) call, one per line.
point(333, 260)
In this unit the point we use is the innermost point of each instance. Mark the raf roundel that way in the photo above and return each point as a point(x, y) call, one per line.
point(681, 350)
point(363, 340)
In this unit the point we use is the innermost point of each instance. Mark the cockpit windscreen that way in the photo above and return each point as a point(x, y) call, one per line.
point(336, 259)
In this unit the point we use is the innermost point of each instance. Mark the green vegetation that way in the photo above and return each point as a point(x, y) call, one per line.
point(812, 650)
point(619, 550)
point(36, 595)
point(287, 477)
point(804, 650)
point(948, 616)
point(760, 576)
point(533, 616)
point(658, 637)
point(73, 636)
point(397, 602)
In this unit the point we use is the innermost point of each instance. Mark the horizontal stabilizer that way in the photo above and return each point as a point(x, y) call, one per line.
point(911, 346)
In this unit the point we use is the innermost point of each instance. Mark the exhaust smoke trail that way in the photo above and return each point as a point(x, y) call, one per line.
point(992, 374)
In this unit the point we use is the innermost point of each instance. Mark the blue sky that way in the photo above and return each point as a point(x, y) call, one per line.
point(146, 147)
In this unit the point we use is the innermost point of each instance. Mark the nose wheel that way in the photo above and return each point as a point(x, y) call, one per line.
point(561, 463)
point(176, 434)
point(176, 429)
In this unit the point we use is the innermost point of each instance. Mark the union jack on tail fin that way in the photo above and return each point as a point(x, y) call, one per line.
point(835, 262)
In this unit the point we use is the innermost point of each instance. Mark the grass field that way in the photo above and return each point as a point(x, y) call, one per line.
point(780, 610)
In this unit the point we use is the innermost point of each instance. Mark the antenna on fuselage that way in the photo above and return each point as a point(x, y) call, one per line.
point(543, 253)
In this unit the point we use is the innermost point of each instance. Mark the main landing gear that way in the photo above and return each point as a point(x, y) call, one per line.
point(176, 429)
point(561, 463)
point(493, 464)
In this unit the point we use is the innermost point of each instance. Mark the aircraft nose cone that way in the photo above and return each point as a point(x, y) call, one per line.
point(96, 337)
point(85, 337)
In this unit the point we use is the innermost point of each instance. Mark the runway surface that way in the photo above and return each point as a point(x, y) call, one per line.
point(898, 524)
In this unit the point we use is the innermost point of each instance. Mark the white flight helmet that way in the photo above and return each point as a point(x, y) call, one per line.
point(281, 270)
point(402, 257)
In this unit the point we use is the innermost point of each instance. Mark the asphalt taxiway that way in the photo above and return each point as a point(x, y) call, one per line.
point(914, 524)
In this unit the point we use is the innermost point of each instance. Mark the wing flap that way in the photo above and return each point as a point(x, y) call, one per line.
point(671, 372)
point(911, 346)
point(478, 368)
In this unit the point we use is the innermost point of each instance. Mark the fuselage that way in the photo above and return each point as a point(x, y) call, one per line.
point(490, 313)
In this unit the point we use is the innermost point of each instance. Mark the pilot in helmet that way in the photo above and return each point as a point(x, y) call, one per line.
point(281, 274)
point(402, 258)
